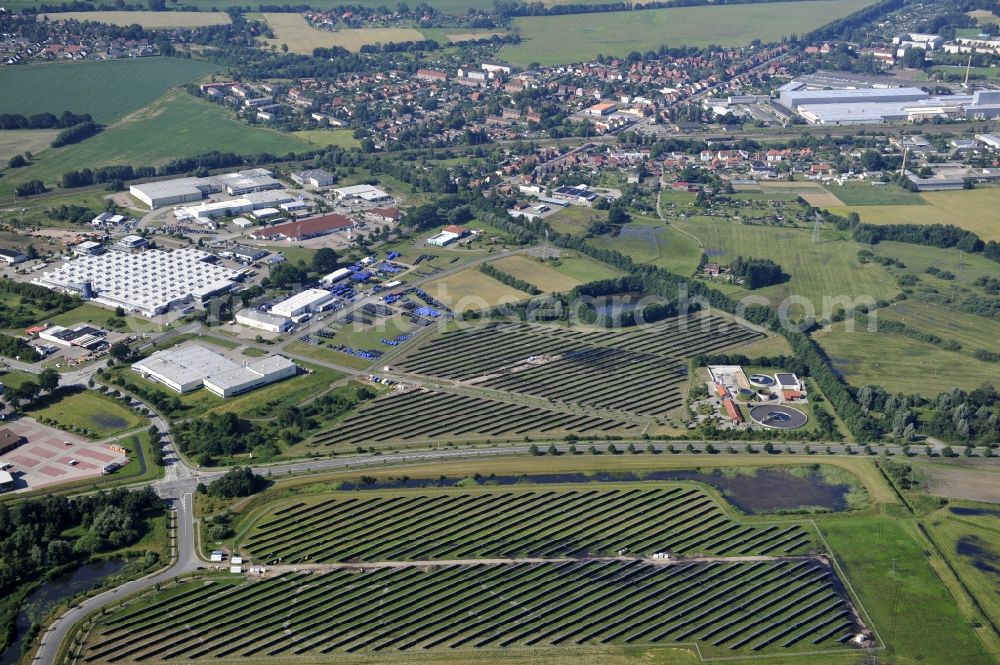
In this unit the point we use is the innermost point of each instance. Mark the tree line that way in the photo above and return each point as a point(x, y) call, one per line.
point(508, 279)
point(65, 120)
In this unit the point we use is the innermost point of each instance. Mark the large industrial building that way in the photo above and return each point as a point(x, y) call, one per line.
point(185, 190)
point(304, 302)
point(827, 101)
point(253, 318)
point(364, 192)
point(148, 283)
point(304, 228)
point(192, 367)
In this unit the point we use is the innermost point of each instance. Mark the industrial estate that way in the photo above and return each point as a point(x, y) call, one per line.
point(469, 332)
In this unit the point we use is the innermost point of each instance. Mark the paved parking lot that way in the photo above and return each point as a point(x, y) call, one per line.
point(45, 458)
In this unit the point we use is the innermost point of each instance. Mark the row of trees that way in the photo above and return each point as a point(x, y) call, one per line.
point(508, 279)
point(43, 120)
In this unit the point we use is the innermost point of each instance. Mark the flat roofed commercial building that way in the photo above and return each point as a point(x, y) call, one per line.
point(12, 256)
point(364, 192)
point(171, 192)
point(794, 98)
point(149, 283)
point(314, 178)
point(305, 302)
point(253, 318)
point(192, 367)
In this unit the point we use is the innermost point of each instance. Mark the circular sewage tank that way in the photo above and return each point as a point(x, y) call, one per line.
point(778, 416)
point(762, 380)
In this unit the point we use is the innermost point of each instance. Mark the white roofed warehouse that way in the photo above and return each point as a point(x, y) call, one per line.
point(253, 318)
point(189, 368)
point(306, 302)
point(148, 283)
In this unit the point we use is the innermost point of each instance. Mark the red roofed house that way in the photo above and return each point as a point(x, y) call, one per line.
point(304, 228)
point(385, 214)
point(732, 410)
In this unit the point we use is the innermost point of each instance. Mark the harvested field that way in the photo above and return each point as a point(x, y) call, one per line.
point(587, 521)
point(293, 30)
point(144, 18)
point(598, 369)
point(973, 210)
point(473, 36)
point(814, 194)
point(767, 607)
point(955, 480)
point(428, 414)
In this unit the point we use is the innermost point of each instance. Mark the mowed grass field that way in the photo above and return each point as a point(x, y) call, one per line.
point(178, 125)
point(471, 290)
point(973, 209)
point(899, 363)
point(551, 40)
point(652, 241)
point(293, 30)
point(106, 90)
point(342, 138)
point(827, 269)
point(101, 415)
point(551, 277)
point(971, 331)
point(16, 141)
point(869, 194)
point(146, 19)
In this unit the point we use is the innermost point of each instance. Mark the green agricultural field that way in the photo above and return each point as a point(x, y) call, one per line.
point(342, 138)
point(818, 271)
point(969, 537)
point(551, 40)
point(901, 364)
point(889, 570)
point(194, 126)
point(107, 90)
point(583, 268)
point(973, 210)
point(870, 194)
point(101, 415)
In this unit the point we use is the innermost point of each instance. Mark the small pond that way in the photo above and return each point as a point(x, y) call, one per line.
point(48, 595)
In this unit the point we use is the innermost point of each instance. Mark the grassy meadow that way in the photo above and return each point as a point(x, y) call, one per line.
point(550, 40)
point(342, 138)
point(471, 290)
point(971, 331)
point(973, 210)
point(101, 415)
point(869, 194)
point(829, 268)
point(899, 363)
point(107, 90)
point(560, 276)
point(194, 126)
